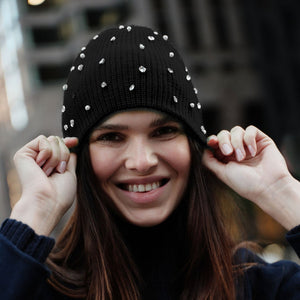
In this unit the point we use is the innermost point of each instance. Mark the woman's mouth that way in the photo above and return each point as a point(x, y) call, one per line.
point(142, 188)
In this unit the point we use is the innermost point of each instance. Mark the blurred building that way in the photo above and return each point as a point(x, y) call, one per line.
point(244, 57)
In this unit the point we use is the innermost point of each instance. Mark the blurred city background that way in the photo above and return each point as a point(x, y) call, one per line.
point(244, 56)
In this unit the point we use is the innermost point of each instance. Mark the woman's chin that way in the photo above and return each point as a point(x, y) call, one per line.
point(147, 220)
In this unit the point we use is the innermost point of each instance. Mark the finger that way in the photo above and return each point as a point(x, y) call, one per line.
point(70, 142)
point(212, 163)
point(43, 149)
point(237, 141)
point(54, 159)
point(64, 156)
point(212, 142)
point(224, 142)
point(71, 166)
point(251, 133)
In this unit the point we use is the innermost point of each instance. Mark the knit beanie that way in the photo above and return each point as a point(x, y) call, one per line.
point(124, 68)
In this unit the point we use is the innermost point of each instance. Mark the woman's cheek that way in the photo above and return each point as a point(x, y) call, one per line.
point(178, 154)
point(103, 163)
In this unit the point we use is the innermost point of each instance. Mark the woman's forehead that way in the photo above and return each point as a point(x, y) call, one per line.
point(143, 112)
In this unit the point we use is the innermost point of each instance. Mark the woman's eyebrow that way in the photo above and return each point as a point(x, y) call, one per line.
point(112, 127)
point(161, 121)
point(155, 123)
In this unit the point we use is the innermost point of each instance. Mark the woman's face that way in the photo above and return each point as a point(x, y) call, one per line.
point(142, 161)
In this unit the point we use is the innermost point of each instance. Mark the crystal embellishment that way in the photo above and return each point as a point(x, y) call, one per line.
point(128, 28)
point(165, 37)
point(87, 107)
point(95, 37)
point(102, 61)
point(113, 38)
point(196, 91)
point(188, 77)
point(175, 99)
point(151, 38)
point(198, 105)
point(65, 87)
point(63, 109)
point(82, 55)
point(170, 71)
point(66, 127)
point(72, 123)
point(121, 27)
point(192, 105)
point(72, 68)
point(131, 88)
point(80, 67)
point(142, 69)
point(203, 129)
point(103, 84)
point(142, 47)
point(171, 54)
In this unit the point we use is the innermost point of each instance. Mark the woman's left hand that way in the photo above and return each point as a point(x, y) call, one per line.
point(248, 161)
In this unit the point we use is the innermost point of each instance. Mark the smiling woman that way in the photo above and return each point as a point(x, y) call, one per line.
point(148, 222)
point(141, 160)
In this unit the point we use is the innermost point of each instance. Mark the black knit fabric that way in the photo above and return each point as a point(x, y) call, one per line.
point(160, 253)
point(125, 68)
point(24, 238)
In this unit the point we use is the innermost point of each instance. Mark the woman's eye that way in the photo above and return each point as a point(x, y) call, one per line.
point(165, 131)
point(110, 137)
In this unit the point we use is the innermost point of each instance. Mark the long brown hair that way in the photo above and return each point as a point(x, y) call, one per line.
point(90, 259)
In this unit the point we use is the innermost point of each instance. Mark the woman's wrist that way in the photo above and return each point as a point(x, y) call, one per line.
point(41, 219)
point(282, 201)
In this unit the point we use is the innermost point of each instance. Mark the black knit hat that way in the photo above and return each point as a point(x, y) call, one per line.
point(125, 68)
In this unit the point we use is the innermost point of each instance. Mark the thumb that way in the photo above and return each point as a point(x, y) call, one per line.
point(212, 163)
point(71, 142)
point(71, 166)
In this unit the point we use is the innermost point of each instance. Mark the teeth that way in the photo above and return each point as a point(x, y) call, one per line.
point(155, 186)
point(140, 188)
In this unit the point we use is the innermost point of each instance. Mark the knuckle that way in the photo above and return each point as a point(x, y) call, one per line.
point(53, 138)
point(15, 157)
point(41, 137)
point(236, 129)
point(223, 133)
point(251, 128)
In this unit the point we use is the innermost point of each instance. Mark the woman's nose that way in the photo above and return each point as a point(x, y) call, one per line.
point(140, 157)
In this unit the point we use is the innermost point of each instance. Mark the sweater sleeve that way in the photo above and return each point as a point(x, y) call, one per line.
point(293, 237)
point(279, 280)
point(22, 256)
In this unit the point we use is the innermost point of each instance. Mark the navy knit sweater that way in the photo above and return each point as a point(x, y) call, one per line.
point(157, 252)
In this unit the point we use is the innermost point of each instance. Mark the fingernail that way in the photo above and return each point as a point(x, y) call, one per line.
point(251, 150)
point(62, 167)
point(226, 149)
point(42, 163)
point(66, 139)
point(49, 171)
point(239, 154)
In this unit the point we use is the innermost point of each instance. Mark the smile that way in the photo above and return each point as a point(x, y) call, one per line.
point(142, 188)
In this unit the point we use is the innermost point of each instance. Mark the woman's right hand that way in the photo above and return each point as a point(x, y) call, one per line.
point(46, 169)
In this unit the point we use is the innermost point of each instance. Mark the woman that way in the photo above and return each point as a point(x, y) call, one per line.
point(148, 223)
